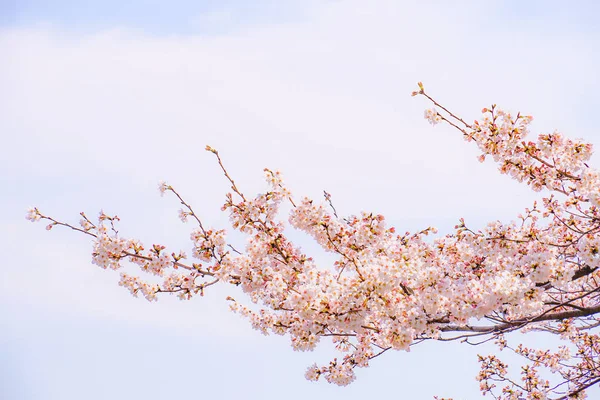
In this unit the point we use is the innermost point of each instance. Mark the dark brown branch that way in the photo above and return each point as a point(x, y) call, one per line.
point(522, 322)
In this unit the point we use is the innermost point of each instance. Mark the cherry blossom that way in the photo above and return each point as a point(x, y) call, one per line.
point(390, 291)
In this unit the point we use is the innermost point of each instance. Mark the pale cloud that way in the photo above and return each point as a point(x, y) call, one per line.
point(217, 21)
point(326, 101)
point(96, 120)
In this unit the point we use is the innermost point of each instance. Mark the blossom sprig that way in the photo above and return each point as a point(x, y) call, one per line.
point(110, 250)
point(388, 291)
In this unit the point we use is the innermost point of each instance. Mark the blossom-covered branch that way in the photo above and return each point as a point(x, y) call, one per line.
point(389, 291)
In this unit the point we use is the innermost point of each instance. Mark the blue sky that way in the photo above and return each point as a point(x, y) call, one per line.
point(101, 100)
point(157, 17)
point(179, 17)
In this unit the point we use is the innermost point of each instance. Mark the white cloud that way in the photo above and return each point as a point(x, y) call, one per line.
point(96, 120)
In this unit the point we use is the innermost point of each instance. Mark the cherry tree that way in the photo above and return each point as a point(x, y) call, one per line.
point(390, 291)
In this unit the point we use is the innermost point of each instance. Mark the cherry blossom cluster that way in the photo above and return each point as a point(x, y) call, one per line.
point(390, 291)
